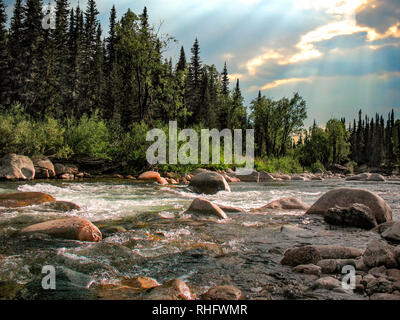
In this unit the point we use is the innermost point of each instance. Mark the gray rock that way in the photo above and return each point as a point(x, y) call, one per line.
point(209, 183)
point(203, 206)
point(346, 197)
point(248, 177)
point(328, 283)
point(393, 232)
point(44, 168)
point(358, 215)
point(379, 253)
point(16, 167)
point(308, 269)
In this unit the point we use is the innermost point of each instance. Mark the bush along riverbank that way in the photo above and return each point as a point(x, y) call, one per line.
point(288, 245)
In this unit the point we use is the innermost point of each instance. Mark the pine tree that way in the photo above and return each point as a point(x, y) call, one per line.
point(16, 53)
point(194, 83)
point(32, 48)
point(4, 58)
point(225, 81)
point(181, 66)
point(238, 111)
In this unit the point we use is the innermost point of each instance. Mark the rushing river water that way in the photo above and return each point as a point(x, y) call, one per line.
point(163, 242)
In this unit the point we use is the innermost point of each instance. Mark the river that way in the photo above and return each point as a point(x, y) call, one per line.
point(163, 242)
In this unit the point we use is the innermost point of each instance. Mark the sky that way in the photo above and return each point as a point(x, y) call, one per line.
point(340, 55)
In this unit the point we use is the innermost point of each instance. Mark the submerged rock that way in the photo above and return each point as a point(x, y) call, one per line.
point(209, 183)
point(203, 206)
point(16, 167)
point(308, 269)
point(328, 283)
point(44, 168)
point(69, 228)
point(63, 206)
point(346, 197)
point(289, 203)
point(23, 199)
point(379, 253)
point(358, 215)
point(152, 176)
point(227, 292)
point(174, 289)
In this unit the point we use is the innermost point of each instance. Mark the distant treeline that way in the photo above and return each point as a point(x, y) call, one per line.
point(69, 90)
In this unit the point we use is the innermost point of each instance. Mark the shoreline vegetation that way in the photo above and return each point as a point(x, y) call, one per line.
point(68, 91)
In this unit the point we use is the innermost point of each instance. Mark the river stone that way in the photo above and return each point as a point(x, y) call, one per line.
point(328, 266)
point(227, 292)
point(383, 226)
point(23, 199)
point(209, 183)
point(172, 290)
point(290, 203)
point(346, 197)
point(253, 176)
point(69, 228)
point(16, 167)
point(301, 255)
point(230, 209)
point(358, 215)
point(328, 283)
point(63, 206)
point(338, 252)
point(308, 269)
point(366, 177)
point(393, 232)
point(203, 206)
point(265, 176)
point(140, 283)
point(385, 296)
point(379, 253)
point(44, 168)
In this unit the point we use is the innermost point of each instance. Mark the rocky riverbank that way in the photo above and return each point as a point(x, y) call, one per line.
point(283, 249)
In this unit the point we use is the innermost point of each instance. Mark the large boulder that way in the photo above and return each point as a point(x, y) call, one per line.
point(203, 206)
point(44, 168)
point(209, 183)
point(23, 199)
point(289, 203)
point(392, 233)
point(379, 253)
point(358, 215)
point(16, 167)
point(252, 176)
point(346, 197)
point(69, 228)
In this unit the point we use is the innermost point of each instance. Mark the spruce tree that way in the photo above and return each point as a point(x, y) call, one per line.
point(225, 81)
point(181, 66)
point(16, 53)
point(4, 58)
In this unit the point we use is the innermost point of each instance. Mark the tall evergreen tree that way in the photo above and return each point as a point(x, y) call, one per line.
point(225, 81)
point(4, 58)
point(181, 66)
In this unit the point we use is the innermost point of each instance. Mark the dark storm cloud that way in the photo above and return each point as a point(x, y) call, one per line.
point(379, 14)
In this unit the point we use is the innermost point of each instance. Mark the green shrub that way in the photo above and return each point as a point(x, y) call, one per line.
point(316, 166)
point(88, 135)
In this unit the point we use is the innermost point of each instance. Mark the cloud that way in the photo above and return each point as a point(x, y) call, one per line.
point(280, 82)
point(380, 15)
